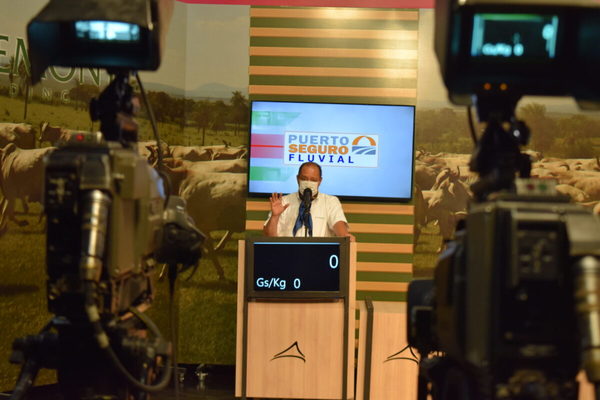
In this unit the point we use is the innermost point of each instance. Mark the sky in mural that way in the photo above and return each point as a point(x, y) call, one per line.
point(207, 46)
point(207, 52)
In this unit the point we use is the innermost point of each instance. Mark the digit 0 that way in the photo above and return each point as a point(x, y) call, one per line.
point(297, 283)
point(334, 261)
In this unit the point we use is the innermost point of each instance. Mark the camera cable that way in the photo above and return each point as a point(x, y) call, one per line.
point(471, 125)
point(172, 275)
point(104, 343)
point(95, 210)
point(160, 163)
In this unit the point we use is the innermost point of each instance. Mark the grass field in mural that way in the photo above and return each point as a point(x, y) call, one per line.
point(426, 251)
point(65, 116)
point(207, 309)
point(23, 309)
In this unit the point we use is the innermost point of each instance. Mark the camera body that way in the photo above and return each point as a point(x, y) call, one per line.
point(135, 196)
point(105, 209)
point(109, 221)
point(501, 306)
point(513, 310)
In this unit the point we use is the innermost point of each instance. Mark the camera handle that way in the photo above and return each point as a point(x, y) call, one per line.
point(497, 157)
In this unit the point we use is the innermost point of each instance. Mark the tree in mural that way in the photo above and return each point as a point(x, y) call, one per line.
point(578, 125)
point(577, 133)
point(239, 110)
point(176, 111)
point(443, 130)
point(219, 116)
point(11, 70)
point(24, 84)
point(202, 117)
point(160, 105)
point(543, 128)
point(81, 94)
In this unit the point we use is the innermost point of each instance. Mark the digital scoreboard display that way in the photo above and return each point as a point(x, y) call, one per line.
point(296, 266)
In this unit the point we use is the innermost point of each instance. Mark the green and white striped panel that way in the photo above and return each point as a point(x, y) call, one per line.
point(346, 55)
point(351, 55)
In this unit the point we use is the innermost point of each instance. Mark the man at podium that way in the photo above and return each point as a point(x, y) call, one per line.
point(307, 212)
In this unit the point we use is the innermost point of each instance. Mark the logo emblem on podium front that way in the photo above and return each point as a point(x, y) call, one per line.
point(401, 355)
point(291, 352)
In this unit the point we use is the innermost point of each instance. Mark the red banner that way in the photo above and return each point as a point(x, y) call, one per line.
point(323, 3)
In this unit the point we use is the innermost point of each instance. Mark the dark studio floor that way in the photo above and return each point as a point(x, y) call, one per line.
point(205, 383)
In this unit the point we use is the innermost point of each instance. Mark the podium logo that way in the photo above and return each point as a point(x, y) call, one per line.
point(405, 354)
point(291, 352)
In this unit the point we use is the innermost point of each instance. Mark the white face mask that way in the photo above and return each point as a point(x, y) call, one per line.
point(313, 186)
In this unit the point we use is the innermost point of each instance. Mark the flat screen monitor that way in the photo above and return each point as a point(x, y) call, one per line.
point(365, 150)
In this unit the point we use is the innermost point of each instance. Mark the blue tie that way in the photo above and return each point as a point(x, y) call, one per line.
point(300, 221)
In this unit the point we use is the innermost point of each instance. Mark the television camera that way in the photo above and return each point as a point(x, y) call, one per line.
point(109, 221)
point(513, 310)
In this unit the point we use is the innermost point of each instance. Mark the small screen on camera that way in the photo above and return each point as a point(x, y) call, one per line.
point(514, 36)
point(107, 31)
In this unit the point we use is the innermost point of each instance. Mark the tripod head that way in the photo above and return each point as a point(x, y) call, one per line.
point(497, 157)
point(115, 107)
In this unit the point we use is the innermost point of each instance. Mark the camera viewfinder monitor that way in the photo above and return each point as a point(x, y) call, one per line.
point(365, 150)
point(514, 36)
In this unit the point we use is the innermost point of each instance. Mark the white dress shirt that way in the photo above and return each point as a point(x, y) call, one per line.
point(326, 211)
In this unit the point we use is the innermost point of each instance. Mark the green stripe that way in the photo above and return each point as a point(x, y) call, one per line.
point(383, 238)
point(271, 174)
point(273, 118)
point(322, 23)
point(384, 276)
point(253, 233)
point(341, 43)
point(252, 215)
point(336, 62)
point(256, 215)
point(371, 204)
point(381, 296)
point(380, 218)
point(384, 257)
point(337, 99)
point(333, 81)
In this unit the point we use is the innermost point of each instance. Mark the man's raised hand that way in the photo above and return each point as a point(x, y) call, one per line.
point(277, 206)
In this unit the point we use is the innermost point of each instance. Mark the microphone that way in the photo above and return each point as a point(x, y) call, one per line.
point(306, 202)
point(307, 198)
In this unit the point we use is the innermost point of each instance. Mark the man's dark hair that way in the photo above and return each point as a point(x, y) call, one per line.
point(311, 163)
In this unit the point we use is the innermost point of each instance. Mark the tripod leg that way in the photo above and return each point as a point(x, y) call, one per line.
point(422, 387)
point(26, 378)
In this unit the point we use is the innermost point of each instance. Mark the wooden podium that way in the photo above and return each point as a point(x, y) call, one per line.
point(295, 318)
point(387, 366)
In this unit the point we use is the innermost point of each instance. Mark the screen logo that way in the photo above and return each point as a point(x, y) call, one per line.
point(358, 146)
point(331, 149)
